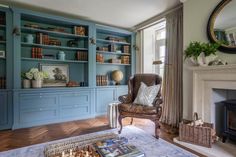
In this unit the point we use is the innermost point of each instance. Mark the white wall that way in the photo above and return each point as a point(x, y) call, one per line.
point(196, 15)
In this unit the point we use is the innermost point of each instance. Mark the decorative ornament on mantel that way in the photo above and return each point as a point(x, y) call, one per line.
point(201, 53)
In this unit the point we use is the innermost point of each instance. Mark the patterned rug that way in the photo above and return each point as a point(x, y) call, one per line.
point(143, 141)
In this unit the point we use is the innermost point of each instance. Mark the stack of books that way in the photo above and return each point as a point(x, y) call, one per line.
point(125, 49)
point(37, 52)
point(99, 58)
point(2, 82)
point(114, 60)
point(82, 56)
point(117, 147)
point(125, 59)
point(101, 80)
point(79, 30)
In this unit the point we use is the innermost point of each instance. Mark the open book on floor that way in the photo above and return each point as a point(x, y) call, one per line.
point(117, 147)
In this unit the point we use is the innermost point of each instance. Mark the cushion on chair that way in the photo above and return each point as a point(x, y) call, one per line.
point(146, 94)
point(136, 108)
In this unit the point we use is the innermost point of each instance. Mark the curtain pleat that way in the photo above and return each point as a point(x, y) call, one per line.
point(172, 80)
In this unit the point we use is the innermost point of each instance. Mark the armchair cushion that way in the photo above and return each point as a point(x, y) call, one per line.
point(137, 108)
point(146, 94)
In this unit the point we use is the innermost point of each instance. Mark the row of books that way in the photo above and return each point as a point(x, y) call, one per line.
point(82, 56)
point(36, 52)
point(117, 147)
point(2, 82)
point(45, 40)
point(113, 48)
point(102, 80)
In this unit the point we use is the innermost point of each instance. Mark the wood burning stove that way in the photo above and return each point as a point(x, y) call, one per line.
point(229, 120)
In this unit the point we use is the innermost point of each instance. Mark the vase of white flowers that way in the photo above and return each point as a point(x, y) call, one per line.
point(36, 76)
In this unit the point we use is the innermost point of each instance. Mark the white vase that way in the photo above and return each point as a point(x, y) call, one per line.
point(203, 60)
point(26, 83)
point(37, 83)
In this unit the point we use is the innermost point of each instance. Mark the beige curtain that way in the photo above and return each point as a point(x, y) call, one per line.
point(172, 80)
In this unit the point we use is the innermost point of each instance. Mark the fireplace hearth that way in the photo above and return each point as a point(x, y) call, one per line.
point(229, 120)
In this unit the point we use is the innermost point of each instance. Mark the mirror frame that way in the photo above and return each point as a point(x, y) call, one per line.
point(210, 28)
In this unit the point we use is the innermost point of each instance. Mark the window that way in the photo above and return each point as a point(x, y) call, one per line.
point(154, 39)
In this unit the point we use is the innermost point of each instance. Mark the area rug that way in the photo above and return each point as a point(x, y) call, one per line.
point(218, 149)
point(143, 141)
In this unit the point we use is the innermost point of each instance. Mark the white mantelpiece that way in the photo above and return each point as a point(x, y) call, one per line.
point(205, 80)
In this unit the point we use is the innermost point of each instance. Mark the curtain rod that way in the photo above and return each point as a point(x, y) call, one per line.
point(158, 18)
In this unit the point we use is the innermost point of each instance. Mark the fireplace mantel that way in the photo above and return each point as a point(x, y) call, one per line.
point(205, 80)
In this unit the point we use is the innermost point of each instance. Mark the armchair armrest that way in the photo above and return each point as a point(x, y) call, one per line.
point(125, 99)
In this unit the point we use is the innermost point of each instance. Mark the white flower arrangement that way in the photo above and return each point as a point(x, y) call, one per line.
point(35, 74)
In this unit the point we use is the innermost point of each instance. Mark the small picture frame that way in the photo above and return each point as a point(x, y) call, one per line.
point(2, 54)
point(58, 74)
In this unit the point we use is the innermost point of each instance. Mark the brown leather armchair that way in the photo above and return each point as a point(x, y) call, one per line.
point(128, 109)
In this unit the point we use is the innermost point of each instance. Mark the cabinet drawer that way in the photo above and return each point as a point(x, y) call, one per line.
point(74, 111)
point(41, 114)
point(37, 100)
point(78, 98)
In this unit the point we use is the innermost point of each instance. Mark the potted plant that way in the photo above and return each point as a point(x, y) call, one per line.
point(209, 52)
point(193, 50)
point(26, 83)
point(36, 76)
point(201, 53)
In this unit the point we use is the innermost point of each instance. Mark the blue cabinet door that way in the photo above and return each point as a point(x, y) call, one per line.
point(3, 109)
point(37, 109)
point(104, 96)
point(75, 105)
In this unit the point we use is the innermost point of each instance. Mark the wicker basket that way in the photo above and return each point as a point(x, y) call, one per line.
point(203, 135)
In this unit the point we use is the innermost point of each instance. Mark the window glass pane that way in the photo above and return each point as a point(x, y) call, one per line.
point(154, 48)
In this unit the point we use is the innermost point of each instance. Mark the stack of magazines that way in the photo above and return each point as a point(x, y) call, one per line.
point(117, 147)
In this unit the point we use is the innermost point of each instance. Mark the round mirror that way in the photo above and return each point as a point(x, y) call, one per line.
point(222, 26)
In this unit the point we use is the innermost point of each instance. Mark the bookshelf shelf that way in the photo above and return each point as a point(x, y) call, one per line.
point(113, 53)
point(52, 46)
point(56, 34)
point(113, 42)
point(2, 42)
point(113, 64)
point(52, 60)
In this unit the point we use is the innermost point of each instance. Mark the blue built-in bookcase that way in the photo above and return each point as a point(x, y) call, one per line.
point(19, 107)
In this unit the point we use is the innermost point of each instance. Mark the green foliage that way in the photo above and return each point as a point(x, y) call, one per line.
point(193, 50)
point(196, 48)
point(210, 48)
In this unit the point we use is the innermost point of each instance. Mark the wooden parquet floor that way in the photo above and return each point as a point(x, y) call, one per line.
point(11, 139)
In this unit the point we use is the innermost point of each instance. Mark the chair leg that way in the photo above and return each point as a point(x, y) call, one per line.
point(120, 122)
point(157, 129)
point(131, 122)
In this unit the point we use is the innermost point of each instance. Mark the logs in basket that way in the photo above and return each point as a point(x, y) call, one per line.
point(202, 134)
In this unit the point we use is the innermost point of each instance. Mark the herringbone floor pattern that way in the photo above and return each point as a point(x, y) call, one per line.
point(11, 139)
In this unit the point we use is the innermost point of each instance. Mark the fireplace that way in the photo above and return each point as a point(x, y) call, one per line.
point(229, 120)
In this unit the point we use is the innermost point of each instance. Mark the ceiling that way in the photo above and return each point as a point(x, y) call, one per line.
point(121, 13)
